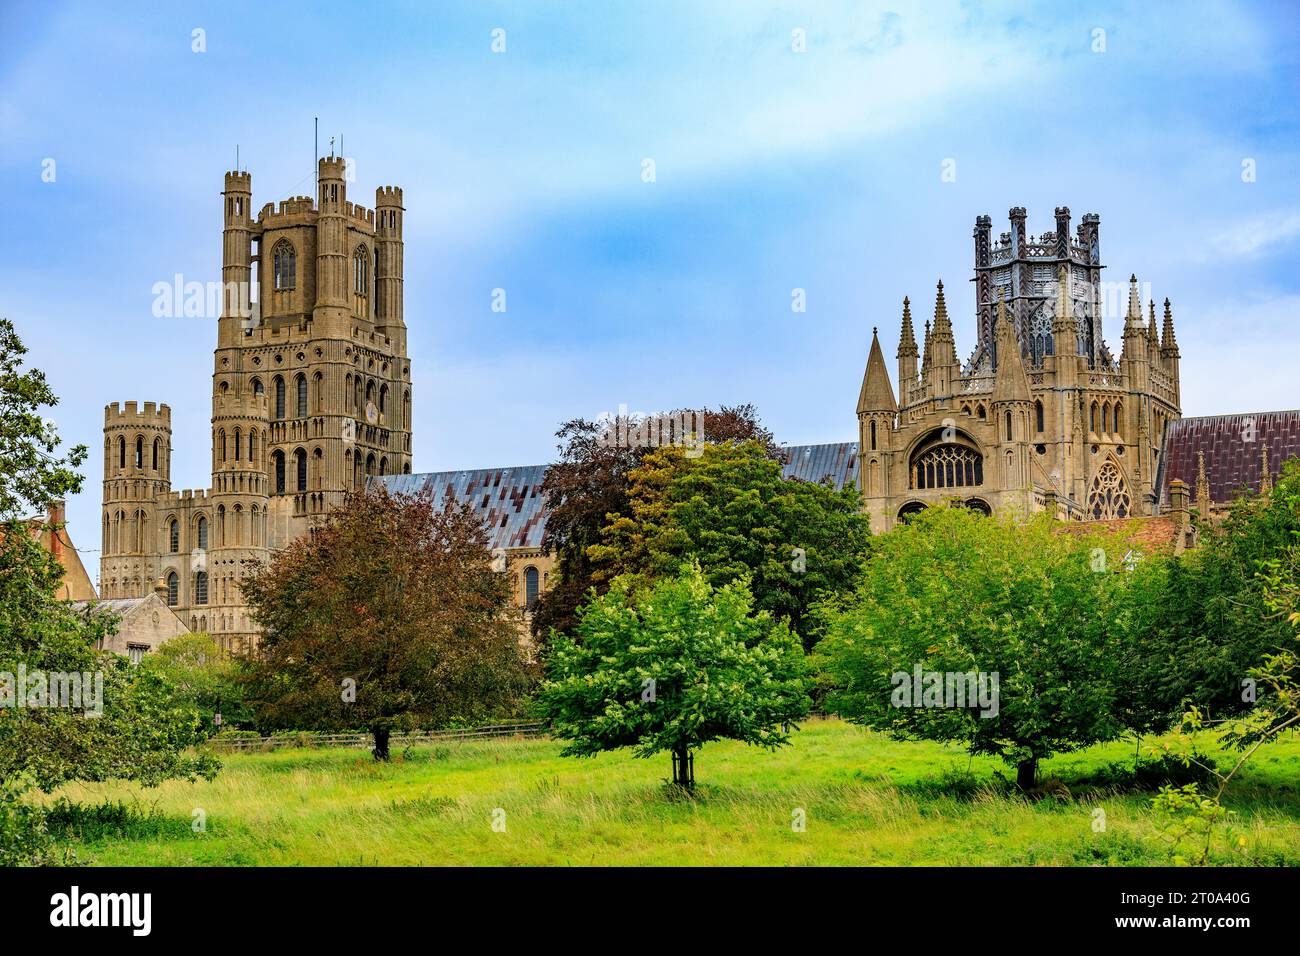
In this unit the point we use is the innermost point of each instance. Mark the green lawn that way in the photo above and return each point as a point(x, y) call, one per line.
point(867, 800)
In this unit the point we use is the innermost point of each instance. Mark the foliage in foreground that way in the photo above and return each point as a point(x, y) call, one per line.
point(955, 593)
point(388, 617)
point(673, 667)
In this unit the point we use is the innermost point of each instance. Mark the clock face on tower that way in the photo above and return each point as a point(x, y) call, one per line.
point(372, 413)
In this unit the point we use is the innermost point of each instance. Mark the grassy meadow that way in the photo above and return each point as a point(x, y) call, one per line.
point(867, 800)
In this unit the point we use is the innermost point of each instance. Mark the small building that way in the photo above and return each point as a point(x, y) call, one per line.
point(143, 624)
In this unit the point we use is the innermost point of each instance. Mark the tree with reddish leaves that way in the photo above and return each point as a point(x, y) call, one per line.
point(590, 482)
point(388, 617)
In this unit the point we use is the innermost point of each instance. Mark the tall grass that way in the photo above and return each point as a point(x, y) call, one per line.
point(863, 799)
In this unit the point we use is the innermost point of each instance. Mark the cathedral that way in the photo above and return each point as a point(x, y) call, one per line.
point(311, 398)
point(1040, 416)
point(311, 395)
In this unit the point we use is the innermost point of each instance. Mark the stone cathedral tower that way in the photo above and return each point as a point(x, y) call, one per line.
point(311, 394)
point(1041, 417)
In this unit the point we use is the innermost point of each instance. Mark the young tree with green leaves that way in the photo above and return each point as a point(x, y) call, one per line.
point(956, 593)
point(389, 617)
point(730, 510)
point(671, 667)
point(204, 675)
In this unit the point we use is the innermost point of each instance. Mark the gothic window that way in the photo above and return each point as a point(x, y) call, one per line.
point(1038, 415)
point(221, 443)
point(873, 436)
point(383, 401)
point(279, 472)
point(300, 467)
point(316, 385)
point(258, 387)
point(300, 387)
point(1109, 495)
point(239, 446)
point(979, 412)
point(139, 453)
point(252, 446)
point(174, 536)
point(318, 466)
point(202, 533)
point(947, 466)
point(279, 398)
point(1105, 417)
point(376, 281)
point(1092, 418)
point(221, 525)
point(370, 464)
point(1040, 335)
point(406, 410)
point(530, 587)
point(201, 587)
point(361, 271)
point(1118, 407)
point(156, 442)
point(383, 466)
point(1008, 426)
point(121, 453)
point(173, 589)
point(286, 265)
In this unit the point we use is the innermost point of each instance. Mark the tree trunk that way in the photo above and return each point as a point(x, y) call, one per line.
point(381, 743)
point(1027, 773)
point(683, 768)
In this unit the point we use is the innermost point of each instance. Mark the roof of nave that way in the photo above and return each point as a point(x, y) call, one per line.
point(514, 509)
point(1233, 446)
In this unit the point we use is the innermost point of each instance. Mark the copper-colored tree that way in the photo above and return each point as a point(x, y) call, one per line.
point(388, 617)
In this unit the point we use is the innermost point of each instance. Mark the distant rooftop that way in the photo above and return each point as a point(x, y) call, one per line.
point(514, 509)
point(1232, 445)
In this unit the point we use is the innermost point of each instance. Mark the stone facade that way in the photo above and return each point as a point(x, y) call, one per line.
point(143, 624)
point(311, 395)
point(1041, 416)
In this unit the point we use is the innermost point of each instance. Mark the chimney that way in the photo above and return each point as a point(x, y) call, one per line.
point(1179, 499)
point(55, 516)
point(160, 589)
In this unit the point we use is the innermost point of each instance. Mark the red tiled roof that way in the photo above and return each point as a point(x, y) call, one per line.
point(1152, 532)
point(1233, 446)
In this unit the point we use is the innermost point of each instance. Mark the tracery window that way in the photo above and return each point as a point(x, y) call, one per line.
point(948, 466)
point(1040, 335)
point(286, 265)
point(1109, 496)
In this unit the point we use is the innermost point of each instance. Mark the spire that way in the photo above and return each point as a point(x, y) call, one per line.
point(906, 337)
point(1010, 384)
point(942, 327)
point(1202, 487)
point(925, 349)
point(1170, 344)
point(1265, 475)
point(1152, 334)
point(1134, 315)
point(877, 393)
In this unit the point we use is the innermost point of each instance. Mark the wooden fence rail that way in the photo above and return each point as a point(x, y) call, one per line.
point(396, 742)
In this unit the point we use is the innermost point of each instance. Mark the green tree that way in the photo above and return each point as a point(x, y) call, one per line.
point(389, 617)
point(130, 724)
point(956, 593)
point(204, 675)
point(672, 667)
point(589, 482)
point(730, 510)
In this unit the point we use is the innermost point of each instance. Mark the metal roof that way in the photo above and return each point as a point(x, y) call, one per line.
point(514, 509)
point(1233, 446)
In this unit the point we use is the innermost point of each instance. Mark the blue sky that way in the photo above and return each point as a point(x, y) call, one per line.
point(522, 170)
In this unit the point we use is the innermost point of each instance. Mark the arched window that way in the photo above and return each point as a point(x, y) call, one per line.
point(947, 466)
point(317, 387)
point(252, 446)
point(300, 466)
point(530, 587)
point(258, 388)
point(406, 410)
point(173, 589)
point(383, 466)
point(370, 393)
point(383, 400)
point(157, 442)
point(1008, 426)
point(239, 444)
point(286, 266)
point(201, 587)
point(121, 453)
point(357, 390)
point(1105, 417)
point(1109, 496)
point(1092, 418)
point(221, 525)
point(278, 460)
point(873, 435)
point(1038, 416)
point(1118, 406)
point(370, 464)
point(202, 528)
point(221, 444)
point(174, 536)
point(139, 453)
point(361, 271)
point(318, 466)
point(300, 385)
point(279, 398)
